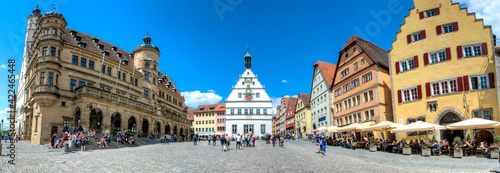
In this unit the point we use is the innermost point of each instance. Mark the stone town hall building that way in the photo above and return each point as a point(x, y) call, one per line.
point(74, 79)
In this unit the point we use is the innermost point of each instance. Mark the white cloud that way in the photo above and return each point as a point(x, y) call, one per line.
point(485, 9)
point(3, 66)
point(284, 81)
point(196, 98)
point(211, 91)
point(4, 115)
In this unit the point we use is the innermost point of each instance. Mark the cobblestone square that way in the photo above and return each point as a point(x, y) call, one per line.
point(186, 157)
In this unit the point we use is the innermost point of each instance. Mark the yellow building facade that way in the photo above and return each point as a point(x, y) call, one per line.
point(205, 118)
point(303, 115)
point(443, 70)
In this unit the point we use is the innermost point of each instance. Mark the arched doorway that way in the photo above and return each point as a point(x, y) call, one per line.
point(482, 136)
point(181, 132)
point(132, 125)
point(115, 123)
point(449, 118)
point(96, 120)
point(167, 129)
point(145, 126)
point(77, 118)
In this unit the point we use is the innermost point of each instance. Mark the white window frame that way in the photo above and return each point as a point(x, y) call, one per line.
point(437, 52)
point(426, 13)
point(440, 83)
point(479, 84)
point(472, 45)
point(411, 97)
point(407, 61)
point(443, 30)
point(413, 39)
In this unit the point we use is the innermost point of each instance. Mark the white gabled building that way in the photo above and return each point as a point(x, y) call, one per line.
point(248, 107)
point(321, 115)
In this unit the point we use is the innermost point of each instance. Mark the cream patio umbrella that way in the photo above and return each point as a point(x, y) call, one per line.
point(322, 129)
point(332, 129)
point(383, 126)
point(473, 123)
point(352, 128)
point(417, 127)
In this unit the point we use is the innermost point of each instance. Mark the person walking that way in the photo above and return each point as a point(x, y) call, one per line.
point(282, 142)
point(209, 139)
point(223, 143)
point(317, 144)
point(228, 142)
point(194, 139)
point(214, 139)
point(323, 146)
point(253, 140)
point(238, 142)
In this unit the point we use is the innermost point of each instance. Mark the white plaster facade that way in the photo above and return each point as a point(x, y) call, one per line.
point(320, 101)
point(256, 111)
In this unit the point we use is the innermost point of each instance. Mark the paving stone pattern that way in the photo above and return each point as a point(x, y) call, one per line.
point(185, 157)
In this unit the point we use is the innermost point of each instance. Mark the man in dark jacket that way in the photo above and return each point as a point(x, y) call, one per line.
point(223, 143)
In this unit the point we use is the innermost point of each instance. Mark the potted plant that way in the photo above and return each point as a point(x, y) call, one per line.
point(457, 153)
point(406, 147)
point(494, 149)
point(426, 151)
point(373, 145)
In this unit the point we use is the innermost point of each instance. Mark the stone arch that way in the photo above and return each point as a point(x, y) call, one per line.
point(167, 128)
point(132, 125)
point(116, 122)
point(447, 111)
point(96, 120)
point(479, 136)
point(175, 132)
point(145, 126)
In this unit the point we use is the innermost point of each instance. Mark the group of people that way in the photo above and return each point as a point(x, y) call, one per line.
point(76, 139)
point(12, 136)
point(225, 140)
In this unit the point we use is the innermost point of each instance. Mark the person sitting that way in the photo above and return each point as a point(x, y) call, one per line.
point(436, 146)
point(446, 144)
point(131, 141)
point(396, 145)
point(484, 147)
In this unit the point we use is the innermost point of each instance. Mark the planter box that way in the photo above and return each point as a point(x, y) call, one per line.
point(426, 152)
point(407, 151)
point(494, 154)
point(458, 153)
point(374, 148)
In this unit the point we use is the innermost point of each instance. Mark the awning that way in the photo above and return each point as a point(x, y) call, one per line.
point(204, 133)
point(474, 123)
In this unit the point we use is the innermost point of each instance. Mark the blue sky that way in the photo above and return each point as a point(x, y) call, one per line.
point(203, 42)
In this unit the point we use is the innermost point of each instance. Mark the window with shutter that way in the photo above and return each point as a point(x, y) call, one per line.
point(491, 77)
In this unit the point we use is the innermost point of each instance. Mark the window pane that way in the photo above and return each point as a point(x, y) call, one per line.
point(444, 87)
point(477, 50)
point(484, 83)
point(468, 51)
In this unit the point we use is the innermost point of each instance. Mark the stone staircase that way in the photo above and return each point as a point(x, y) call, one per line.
point(113, 144)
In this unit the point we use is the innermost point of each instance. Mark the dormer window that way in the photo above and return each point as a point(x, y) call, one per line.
point(114, 48)
point(82, 44)
point(95, 40)
point(78, 37)
point(119, 54)
point(73, 32)
point(100, 46)
point(106, 53)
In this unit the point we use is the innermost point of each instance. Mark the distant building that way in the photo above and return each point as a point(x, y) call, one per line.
point(248, 107)
point(290, 115)
point(303, 115)
point(283, 113)
point(208, 118)
point(321, 115)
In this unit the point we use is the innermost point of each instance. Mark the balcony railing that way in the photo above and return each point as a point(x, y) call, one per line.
point(46, 88)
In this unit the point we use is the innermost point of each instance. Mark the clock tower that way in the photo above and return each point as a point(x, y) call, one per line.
point(248, 107)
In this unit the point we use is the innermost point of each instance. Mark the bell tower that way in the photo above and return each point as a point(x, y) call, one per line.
point(248, 60)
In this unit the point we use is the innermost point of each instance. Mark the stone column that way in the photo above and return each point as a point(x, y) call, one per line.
point(162, 128)
point(124, 122)
point(106, 120)
point(85, 116)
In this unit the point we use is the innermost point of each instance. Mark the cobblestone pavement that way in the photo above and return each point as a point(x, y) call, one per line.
point(185, 157)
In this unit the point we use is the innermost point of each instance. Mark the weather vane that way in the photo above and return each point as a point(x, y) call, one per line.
point(52, 5)
point(147, 32)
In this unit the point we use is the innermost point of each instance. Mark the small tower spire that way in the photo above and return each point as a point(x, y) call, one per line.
point(248, 60)
point(52, 5)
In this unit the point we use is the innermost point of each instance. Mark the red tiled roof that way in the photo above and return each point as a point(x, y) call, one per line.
point(306, 98)
point(221, 107)
point(377, 54)
point(210, 108)
point(328, 71)
point(190, 113)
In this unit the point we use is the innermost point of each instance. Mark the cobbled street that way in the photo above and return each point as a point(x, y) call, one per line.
point(185, 157)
